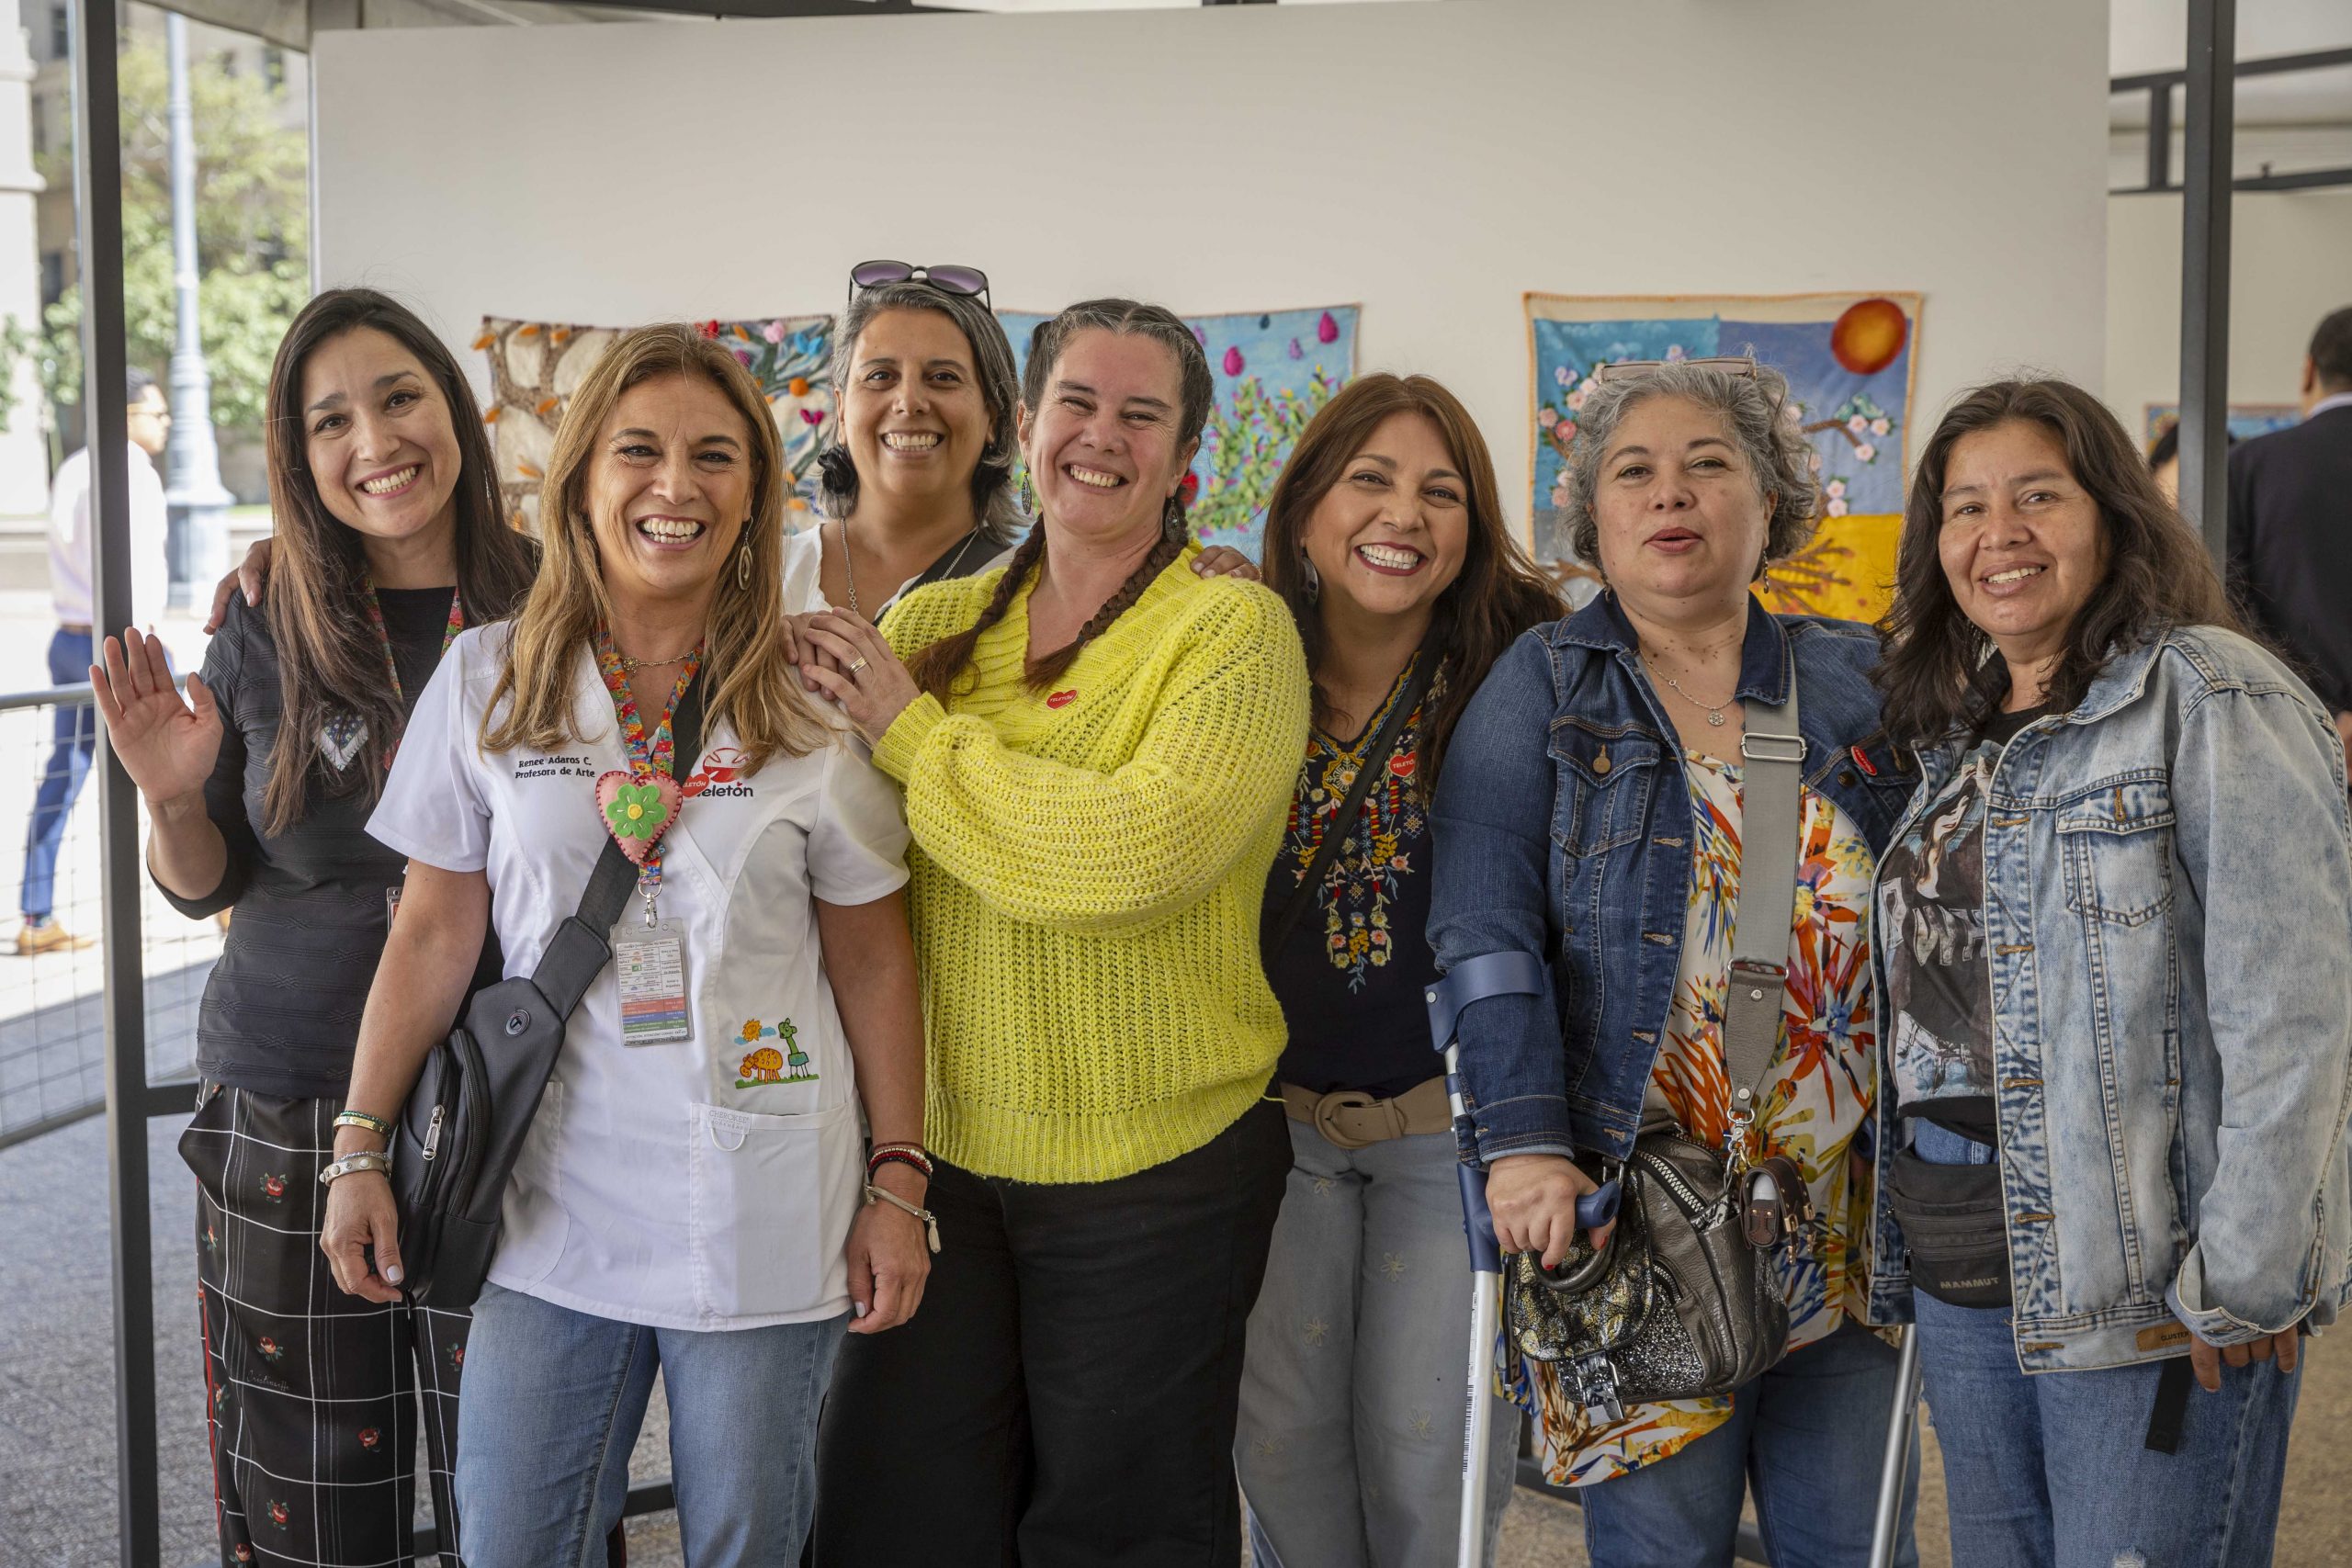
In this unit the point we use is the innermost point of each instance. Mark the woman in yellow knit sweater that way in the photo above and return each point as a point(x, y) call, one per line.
point(1097, 746)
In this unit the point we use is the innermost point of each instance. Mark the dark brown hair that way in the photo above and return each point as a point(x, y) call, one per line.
point(329, 658)
point(1939, 676)
point(1499, 594)
point(936, 666)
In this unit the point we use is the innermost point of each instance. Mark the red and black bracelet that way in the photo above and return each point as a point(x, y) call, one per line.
point(895, 1153)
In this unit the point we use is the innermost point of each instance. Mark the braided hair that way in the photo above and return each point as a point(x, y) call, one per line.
point(937, 665)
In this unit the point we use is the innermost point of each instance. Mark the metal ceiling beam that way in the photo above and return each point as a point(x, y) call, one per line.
point(2205, 271)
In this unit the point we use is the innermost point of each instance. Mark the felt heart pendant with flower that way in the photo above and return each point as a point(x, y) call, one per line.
point(637, 811)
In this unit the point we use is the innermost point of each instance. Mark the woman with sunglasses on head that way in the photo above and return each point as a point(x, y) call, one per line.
point(1385, 536)
point(258, 787)
point(917, 485)
point(1591, 815)
point(1097, 747)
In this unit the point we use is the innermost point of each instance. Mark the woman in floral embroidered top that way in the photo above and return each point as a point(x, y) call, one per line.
point(1590, 814)
point(1386, 538)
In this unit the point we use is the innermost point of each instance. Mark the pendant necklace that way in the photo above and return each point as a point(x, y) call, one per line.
point(849, 564)
point(1714, 711)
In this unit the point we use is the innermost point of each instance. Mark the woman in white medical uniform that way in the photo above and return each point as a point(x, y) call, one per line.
point(695, 1194)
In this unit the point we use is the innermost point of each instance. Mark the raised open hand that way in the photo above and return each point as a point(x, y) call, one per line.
point(167, 746)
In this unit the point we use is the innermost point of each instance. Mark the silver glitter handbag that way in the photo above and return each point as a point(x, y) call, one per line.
point(1684, 1301)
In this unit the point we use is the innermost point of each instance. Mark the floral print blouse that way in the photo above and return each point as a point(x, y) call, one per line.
point(1815, 1100)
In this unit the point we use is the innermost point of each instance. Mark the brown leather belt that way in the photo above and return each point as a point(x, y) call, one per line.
point(1349, 1119)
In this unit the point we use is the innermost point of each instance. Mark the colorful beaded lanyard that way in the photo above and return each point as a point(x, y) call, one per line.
point(384, 640)
point(647, 760)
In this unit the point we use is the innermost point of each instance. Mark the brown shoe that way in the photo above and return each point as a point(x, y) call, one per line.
point(47, 936)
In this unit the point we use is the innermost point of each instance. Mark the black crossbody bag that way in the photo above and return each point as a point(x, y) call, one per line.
point(457, 1139)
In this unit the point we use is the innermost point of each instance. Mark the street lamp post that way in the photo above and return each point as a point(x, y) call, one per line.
point(199, 503)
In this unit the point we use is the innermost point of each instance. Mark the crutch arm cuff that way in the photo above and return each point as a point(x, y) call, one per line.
point(1475, 979)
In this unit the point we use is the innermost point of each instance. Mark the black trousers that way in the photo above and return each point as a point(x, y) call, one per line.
point(315, 1394)
point(1066, 1397)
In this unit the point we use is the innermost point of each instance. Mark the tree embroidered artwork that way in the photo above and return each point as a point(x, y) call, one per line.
point(1849, 361)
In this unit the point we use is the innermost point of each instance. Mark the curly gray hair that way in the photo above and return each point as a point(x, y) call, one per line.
point(1761, 421)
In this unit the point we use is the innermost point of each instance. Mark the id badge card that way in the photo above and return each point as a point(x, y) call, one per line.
point(650, 961)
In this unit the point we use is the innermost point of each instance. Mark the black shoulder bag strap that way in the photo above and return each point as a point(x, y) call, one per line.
point(1376, 762)
point(582, 944)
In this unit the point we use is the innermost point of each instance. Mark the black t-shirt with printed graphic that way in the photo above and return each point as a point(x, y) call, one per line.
point(1932, 926)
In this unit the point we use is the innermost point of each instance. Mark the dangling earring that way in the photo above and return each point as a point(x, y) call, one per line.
point(1171, 517)
point(1028, 502)
point(744, 564)
point(1308, 578)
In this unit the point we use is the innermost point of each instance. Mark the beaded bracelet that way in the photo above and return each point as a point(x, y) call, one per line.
point(914, 1158)
point(361, 1119)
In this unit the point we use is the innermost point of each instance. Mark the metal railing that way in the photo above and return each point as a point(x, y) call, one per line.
point(53, 1035)
point(2160, 86)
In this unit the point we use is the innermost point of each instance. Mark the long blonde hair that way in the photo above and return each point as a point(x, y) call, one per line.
point(748, 681)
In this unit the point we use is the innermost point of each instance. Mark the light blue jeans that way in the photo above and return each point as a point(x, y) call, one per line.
point(2054, 1471)
point(552, 1404)
point(1809, 1437)
point(1350, 1444)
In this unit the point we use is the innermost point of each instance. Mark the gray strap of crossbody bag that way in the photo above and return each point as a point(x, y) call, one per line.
point(1773, 751)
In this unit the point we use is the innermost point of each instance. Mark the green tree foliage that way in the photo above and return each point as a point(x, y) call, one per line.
point(252, 231)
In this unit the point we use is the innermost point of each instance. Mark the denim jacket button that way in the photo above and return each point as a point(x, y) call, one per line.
point(1601, 761)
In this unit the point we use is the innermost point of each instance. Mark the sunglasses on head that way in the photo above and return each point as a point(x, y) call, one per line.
point(1632, 369)
point(947, 278)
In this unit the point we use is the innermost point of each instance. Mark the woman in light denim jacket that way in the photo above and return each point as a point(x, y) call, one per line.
point(2135, 984)
point(1589, 813)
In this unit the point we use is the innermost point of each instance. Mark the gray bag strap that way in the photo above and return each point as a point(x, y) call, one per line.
point(1773, 751)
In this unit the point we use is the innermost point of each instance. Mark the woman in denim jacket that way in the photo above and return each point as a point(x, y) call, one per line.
point(1589, 813)
point(2116, 950)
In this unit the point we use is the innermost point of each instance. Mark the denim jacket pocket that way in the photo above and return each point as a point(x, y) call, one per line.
point(2118, 846)
point(1607, 771)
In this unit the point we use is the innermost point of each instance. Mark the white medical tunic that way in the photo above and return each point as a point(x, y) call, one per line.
point(707, 1183)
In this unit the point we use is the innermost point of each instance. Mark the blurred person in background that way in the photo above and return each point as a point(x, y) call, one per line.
point(70, 647)
point(2290, 525)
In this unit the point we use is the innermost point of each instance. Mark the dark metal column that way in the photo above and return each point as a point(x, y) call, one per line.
point(2205, 270)
point(97, 192)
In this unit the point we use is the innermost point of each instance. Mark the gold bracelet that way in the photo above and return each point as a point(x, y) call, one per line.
point(361, 1119)
point(929, 1222)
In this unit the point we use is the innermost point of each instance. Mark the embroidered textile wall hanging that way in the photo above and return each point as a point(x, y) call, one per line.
point(1850, 360)
point(1272, 370)
point(535, 367)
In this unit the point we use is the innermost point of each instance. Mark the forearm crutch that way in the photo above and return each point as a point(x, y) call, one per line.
point(1889, 1523)
point(1488, 974)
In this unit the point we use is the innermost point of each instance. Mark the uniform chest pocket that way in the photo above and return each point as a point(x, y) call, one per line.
point(2118, 847)
point(1605, 776)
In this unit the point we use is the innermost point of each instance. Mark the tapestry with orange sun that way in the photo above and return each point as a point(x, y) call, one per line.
point(535, 367)
point(1850, 360)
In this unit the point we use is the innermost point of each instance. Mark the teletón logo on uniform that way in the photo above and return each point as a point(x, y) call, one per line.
point(721, 773)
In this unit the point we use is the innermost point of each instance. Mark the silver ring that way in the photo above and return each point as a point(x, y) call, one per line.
point(857, 664)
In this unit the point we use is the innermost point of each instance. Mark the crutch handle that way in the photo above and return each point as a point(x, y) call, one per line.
point(1598, 1207)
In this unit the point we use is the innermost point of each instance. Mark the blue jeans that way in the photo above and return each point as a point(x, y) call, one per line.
point(553, 1405)
point(74, 734)
point(2053, 1470)
point(1809, 1436)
